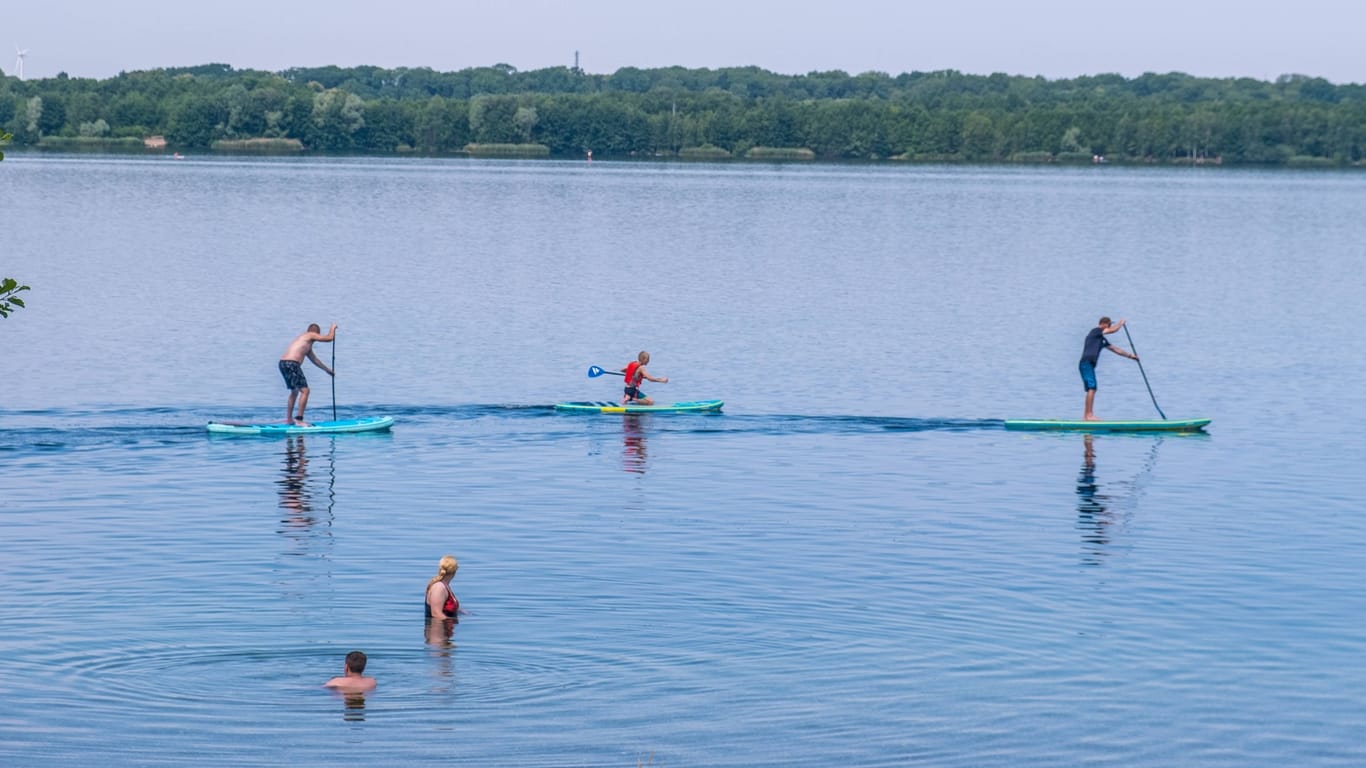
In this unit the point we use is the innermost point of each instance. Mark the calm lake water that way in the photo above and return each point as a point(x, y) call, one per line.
point(854, 564)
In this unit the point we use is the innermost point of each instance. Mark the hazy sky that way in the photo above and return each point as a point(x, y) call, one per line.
point(1053, 38)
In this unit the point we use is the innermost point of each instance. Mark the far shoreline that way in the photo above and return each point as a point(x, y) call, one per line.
point(1034, 160)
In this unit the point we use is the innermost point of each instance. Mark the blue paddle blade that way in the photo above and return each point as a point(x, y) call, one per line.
point(594, 371)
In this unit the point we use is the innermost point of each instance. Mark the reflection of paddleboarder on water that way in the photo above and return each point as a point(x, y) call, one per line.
point(297, 491)
point(633, 443)
point(294, 495)
point(1098, 513)
point(1090, 503)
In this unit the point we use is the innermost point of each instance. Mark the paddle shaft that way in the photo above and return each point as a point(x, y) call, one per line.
point(334, 376)
point(1134, 349)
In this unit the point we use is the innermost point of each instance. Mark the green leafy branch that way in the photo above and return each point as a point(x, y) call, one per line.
point(8, 301)
point(4, 139)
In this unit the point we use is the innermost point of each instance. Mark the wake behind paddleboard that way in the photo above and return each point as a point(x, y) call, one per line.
point(1168, 425)
point(690, 406)
point(367, 424)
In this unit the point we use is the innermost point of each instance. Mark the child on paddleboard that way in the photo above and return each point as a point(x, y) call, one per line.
point(635, 373)
point(1090, 356)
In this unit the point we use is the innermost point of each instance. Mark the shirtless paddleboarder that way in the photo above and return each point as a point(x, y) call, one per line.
point(291, 368)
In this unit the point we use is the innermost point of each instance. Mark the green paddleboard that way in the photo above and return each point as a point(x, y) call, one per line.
point(1165, 425)
point(690, 406)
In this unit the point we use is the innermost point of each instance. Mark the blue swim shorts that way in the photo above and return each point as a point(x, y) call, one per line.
point(1088, 374)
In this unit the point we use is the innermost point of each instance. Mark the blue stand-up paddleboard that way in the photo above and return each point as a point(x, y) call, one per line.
point(1154, 425)
point(690, 406)
point(368, 424)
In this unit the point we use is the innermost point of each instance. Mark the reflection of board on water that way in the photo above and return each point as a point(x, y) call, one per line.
point(1101, 515)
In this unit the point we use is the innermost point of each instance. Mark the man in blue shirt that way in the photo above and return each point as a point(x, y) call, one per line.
point(1090, 355)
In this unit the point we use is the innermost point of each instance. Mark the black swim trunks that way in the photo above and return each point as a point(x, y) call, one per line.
point(634, 393)
point(294, 375)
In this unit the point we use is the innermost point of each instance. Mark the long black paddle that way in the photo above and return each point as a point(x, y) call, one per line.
point(594, 372)
point(1134, 349)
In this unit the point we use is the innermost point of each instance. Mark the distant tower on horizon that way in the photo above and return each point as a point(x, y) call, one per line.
point(19, 60)
point(576, 61)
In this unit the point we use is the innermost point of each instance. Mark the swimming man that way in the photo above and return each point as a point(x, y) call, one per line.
point(353, 680)
point(291, 368)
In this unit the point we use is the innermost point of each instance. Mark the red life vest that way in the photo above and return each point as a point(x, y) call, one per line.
point(632, 374)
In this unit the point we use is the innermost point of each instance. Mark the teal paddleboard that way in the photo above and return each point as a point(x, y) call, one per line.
point(690, 406)
point(368, 424)
point(1167, 425)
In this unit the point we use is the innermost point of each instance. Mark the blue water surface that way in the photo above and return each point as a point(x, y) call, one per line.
point(852, 564)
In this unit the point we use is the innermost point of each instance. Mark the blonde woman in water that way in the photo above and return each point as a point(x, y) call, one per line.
point(441, 602)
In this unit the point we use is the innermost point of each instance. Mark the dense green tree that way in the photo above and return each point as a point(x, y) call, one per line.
point(442, 125)
point(525, 121)
point(135, 109)
point(388, 125)
point(493, 119)
point(943, 115)
point(337, 118)
point(979, 136)
point(196, 121)
point(51, 116)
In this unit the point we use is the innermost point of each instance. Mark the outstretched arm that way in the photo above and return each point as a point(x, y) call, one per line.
point(319, 363)
point(332, 333)
point(659, 380)
point(1113, 326)
point(1121, 351)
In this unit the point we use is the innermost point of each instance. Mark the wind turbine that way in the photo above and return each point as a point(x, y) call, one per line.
point(19, 61)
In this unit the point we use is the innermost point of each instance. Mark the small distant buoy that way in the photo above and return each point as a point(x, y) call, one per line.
point(590, 155)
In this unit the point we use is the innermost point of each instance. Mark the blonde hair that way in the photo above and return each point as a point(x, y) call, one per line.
point(447, 567)
point(643, 357)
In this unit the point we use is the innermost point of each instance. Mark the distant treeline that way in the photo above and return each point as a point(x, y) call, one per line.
point(737, 112)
